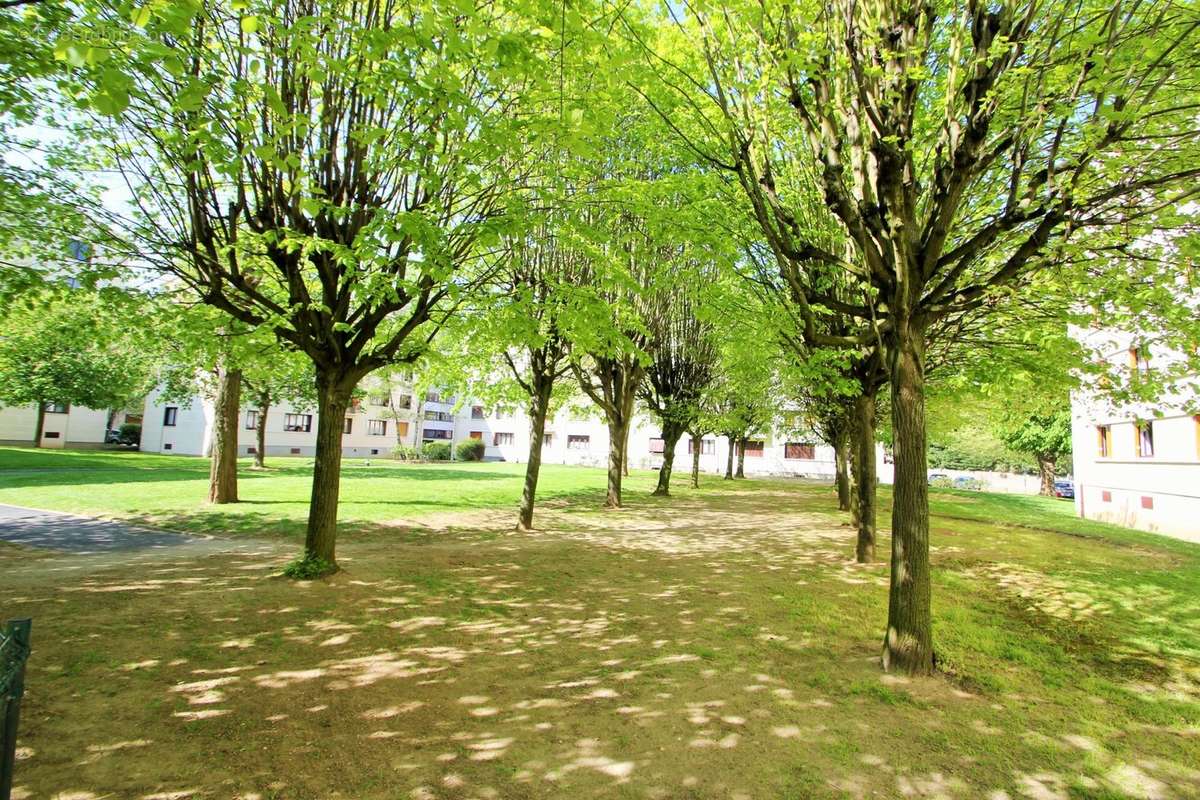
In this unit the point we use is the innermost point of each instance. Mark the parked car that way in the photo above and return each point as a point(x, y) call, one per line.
point(964, 482)
point(1064, 489)
point(939, 478)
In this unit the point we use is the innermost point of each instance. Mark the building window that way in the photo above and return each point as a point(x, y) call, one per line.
point(378, 399)
point(170, 414)
point(547, 439)
point(50, 435)
point(502, 439)
point(434, 433)
point(402, 429)
point(1106, 496)
point(168, 446)
point(754, 449)
point(432, 397)
point(1145, 439)
point(349, 426)
point(476, 412)
point(476, 435)
point(578, 442)
point(301, 423)
point(251, 420)
point(1148, 502)
point(1104, 434)
point(439, 416)
point(802, 451)
point(57, 408)
point(657, 446)
point(503, 412)
point(708, 447)
point(295, 451)
point(377, 427)
point(1139, 360)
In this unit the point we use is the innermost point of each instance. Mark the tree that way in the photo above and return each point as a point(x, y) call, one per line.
point(681, 370)
point(330, 172)
point(70, 347)
point(272, 377)
point(1047, 437)
point(955, 147)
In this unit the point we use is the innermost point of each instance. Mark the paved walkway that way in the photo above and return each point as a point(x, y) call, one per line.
point(75, 534)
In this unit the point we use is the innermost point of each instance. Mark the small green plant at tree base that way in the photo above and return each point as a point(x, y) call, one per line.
point(436, 451)
point(470, 450)
point(305, 569)
point(406, 452)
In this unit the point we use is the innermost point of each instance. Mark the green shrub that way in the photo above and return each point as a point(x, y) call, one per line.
point(406, 452)
point(130, 433)
point(305, 569)
point(470, 450)
point(436, 451)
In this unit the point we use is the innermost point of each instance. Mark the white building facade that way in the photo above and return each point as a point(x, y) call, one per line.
point(1136, 464)
point(65, 426)
point(382, 421)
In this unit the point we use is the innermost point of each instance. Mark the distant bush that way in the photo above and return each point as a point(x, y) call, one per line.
point(130, 433)
point(436, 451)
point(406, 452)
point(470, 450)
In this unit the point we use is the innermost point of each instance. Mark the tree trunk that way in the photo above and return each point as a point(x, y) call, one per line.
point(540, 404)
point(616, 444)
point(260, 432)
point(1046, 465)
point(729, 459)
point(333, 398)
point(841, 480)
point(697, 444)
point(39, 427)
point(866, 480)
point(908, 643)
point(741, 464)
point(222, 475)
point(625, 448)
point(671, 434)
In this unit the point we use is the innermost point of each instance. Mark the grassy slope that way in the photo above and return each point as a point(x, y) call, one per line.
point(715, 644)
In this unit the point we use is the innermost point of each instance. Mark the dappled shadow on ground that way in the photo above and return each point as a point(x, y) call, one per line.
point(720, 646)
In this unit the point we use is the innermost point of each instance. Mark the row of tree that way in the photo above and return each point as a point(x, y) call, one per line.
point(694, 205)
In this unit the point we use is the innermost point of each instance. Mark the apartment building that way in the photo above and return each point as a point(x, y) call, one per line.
point(65, 426)
point(387, 416)
point(1136, 464)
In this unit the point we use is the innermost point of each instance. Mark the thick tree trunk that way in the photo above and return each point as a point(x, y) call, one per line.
point(866, 480)
point(625, 449)
point(539, 405)
point(333, 398)
point(697, 444)
point(1046, 465)
point(222, 476)
point(841, 480)
point(741, 463)
point(671, 434)
point(616, 447)
point(39, 427)
point(729, 459)
point(908, 642)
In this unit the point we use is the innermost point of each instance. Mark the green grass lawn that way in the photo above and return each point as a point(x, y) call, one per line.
point(170, 490)
point(720, 643)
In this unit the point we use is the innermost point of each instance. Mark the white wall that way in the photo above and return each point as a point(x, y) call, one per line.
point(79, 427)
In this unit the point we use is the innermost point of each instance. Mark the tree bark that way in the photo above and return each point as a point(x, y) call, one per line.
point(625, 448)
point(1046, 465)
point(260, 432)
point(866, 480)
point(540, 404)
point(616, 446)
point(222, 476)
point(741, 461)
point(908, 642)
point(39, 427)
point(697, 444)
point(333, 398)
point(841, 480)
point(671, 434)
point(729, 459)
